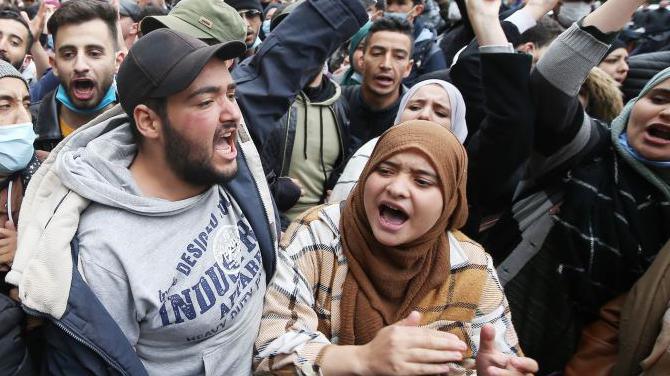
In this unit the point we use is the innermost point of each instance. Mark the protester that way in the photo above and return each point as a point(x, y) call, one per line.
point(615, 62)
point(386, 62)
point(589, 215)
point(15, 37)
point(391, 250)
point(251, 12)
point(85, 61)
point(310, 144)
point(130, 15)
point(600, 96)
point(165, 171)
point(18, 163)
point(426, 54)
point(353, 75)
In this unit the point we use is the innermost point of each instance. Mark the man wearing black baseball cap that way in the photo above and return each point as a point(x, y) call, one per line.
point(177, 241)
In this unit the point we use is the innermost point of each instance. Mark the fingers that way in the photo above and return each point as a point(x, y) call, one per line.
point(425, 369)
point(9, 225)
point(412, 319)
point(524, 365)
point(494, 371)
point(433, 356)
point(487, 338)
point(7, 233)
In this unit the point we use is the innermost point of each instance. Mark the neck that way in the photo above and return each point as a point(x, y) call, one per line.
point(157, 179)
point(76, 120)
point(379, 102)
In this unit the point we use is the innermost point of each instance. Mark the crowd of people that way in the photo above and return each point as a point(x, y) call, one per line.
point(348, 187)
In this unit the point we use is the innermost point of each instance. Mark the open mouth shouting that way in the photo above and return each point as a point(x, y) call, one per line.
point(658, 134)
point(384, 80)
point(224, 142)
point(392, 217)
point(83, 89)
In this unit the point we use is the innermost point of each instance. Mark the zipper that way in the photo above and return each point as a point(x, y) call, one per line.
point(77, 338)
point(288, 126)
point(339, 135)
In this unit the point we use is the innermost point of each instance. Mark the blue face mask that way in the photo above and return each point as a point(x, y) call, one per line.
point(623, 141)
point(109, 98)
point(396, 15)
point(16, 147)
point(266, 27)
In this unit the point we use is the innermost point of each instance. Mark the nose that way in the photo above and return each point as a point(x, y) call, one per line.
point(80, 64)
point(230, 111)
point(425, 113)
point(385, 63)
point(398, 187)
point(23, 115)
point(623, 67)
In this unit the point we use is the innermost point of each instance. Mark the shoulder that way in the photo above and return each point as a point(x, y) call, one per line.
point(466, 252)
point(317, 226)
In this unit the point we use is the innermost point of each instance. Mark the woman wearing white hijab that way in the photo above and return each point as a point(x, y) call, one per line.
point(433, 100)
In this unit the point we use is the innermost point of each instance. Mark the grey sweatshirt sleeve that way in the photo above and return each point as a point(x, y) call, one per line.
point(570, 58)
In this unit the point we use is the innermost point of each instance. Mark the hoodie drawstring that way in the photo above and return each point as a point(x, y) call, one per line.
point(9, 203)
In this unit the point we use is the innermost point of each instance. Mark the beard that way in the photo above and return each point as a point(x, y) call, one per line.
point(16, 64)
point(190, 162)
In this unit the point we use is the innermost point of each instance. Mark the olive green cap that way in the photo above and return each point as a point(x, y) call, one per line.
point(206, 20)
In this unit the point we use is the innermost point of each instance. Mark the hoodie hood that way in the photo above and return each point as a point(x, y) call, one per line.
point(95, 166)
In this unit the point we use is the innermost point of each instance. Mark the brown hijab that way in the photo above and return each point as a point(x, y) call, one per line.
point(384, 284)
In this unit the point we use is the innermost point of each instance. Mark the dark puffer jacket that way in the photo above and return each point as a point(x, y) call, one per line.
point(642, 68)
point(13, 351)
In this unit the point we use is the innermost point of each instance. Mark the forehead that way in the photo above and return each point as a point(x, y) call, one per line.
point(411, 159)
point(619, 52)
point(13, 27)
point(432, 91)
point(93, 32)
point(390, 40)
point(13, 86)
point(399, 2)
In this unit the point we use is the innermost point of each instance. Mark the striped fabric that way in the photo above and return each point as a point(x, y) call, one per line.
point(302, 303)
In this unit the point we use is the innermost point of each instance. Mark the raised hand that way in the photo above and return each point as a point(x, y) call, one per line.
point(7, 245)
point(483, 16)
point(492, 362)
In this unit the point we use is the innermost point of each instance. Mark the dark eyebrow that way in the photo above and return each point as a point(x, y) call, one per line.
point(659, 90)
point(204, 90)
point(6, 98)
point(413, 170)
point(232, 86)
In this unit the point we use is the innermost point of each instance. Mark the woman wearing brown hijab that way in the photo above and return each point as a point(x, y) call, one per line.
point(384, 283)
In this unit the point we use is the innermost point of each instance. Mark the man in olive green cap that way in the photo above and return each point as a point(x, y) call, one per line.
point(289, 58)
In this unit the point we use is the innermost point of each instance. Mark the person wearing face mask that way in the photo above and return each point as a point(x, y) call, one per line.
point(18, 162)
point(269, 11)
point(426, 54)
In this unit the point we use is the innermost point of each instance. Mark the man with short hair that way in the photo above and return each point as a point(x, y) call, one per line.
point(175, 284)
point(386, 63)
point(426, 53)
point(251, 12)
point(85, 60)
point(537, 39)
point(15, 37)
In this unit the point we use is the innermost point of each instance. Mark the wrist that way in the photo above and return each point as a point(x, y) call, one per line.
point(344, 360)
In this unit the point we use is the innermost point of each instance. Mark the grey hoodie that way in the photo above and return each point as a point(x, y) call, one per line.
point(184, 280)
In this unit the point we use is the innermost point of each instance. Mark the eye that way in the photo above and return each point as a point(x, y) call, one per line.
point(414, 107)
point(205, 103)
point(424, 182)
point(659, 99)
point(231, 97)
point(384, 171)
point(4, 106)
point(442, 114)
point(15, 43)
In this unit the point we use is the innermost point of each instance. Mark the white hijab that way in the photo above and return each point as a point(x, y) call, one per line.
point(458, 126)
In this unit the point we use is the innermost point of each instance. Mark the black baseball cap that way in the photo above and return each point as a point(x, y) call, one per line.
point(165, 62)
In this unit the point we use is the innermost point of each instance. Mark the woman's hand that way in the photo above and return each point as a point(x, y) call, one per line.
point(491, 362)
point(399, 349)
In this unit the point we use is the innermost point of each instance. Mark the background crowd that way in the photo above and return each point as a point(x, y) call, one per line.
point(335, 187)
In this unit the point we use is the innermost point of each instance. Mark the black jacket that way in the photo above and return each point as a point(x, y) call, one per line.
point(45, 122)
point(14, 358)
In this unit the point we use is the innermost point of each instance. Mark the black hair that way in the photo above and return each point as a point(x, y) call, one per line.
point(544, 32)
point(75, 12)
point(393, 24)
point(12, 13)
point(415, 2)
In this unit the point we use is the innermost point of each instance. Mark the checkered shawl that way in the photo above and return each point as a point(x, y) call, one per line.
point(302, 303)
